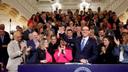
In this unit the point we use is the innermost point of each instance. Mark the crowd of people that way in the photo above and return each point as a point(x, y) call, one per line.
point(96, 37)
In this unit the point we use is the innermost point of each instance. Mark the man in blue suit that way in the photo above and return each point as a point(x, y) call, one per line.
point(86, 47)
point(33, 44)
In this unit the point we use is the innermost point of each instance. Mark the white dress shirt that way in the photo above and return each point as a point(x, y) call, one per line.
point(121, 57)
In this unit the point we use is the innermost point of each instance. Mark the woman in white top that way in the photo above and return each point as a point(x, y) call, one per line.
point(17, 49)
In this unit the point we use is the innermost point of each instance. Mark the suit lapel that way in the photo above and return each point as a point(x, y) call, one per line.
point(86, 45)
point(0, 41)
point(79, 44)
point(33, 44)
point(17, 46)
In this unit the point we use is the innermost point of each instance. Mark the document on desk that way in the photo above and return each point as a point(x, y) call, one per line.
point(78, 63)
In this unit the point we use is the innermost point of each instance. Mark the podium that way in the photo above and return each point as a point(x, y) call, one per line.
point(73, 68)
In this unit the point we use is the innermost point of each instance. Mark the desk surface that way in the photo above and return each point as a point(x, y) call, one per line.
point(73, 68)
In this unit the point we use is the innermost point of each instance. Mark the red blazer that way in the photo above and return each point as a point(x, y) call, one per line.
point(48, 57)
point(63, 58)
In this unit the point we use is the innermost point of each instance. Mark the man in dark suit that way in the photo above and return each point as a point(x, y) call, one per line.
point(68, 37)
point(43, 18)
point(33, 44)
point(86, 48)
point(4, 40)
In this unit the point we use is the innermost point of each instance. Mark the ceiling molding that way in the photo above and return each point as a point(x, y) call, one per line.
point(4, 6)
point(13, 13)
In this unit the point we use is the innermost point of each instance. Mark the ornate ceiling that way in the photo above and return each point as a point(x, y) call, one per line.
point(8, 12)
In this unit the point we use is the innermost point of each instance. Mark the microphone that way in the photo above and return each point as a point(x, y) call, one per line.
point(10, 20)
point(62, 51)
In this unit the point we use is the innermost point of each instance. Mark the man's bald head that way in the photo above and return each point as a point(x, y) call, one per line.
point(35, 35)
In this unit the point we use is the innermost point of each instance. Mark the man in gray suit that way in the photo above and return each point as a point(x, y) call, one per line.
point(17, 49)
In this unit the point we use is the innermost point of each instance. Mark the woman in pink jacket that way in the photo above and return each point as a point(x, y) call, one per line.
point(63, 54)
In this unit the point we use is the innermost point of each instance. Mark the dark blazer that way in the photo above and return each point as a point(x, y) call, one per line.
point(31, 58)
point(6, 39)
point(26, 34)
point(41, 55)
point(89, 52)
point(70, 42)
point(32, 44)
point(3, 48)
point(108, 57)
point(52, 48)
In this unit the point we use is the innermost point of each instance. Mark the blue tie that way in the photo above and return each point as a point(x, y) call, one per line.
point(2, 39)
point(82, 44)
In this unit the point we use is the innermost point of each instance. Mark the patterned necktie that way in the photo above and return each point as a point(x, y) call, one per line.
point(82, 44)
point(2, 39)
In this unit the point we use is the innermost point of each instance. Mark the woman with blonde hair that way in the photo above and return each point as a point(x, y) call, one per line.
point(43, 56)
point(17, 49)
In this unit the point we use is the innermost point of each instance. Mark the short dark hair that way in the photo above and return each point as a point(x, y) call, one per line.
point(110, 39)
point(70, 30)
point(101, 29)
point(2, 26)
point(53, 36)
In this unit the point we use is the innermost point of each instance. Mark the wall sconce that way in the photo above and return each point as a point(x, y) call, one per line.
point(56, 6)
point(84, 6)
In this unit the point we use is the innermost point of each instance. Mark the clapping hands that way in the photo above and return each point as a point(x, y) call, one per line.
point(117, 41)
